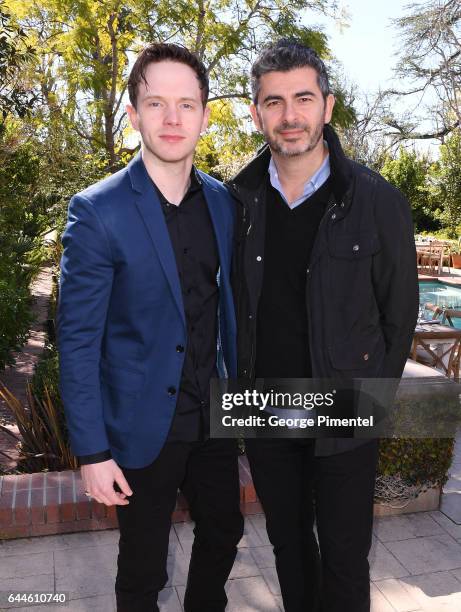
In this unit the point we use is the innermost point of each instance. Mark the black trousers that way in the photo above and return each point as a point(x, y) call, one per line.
point(207, 474)
point(297, 489)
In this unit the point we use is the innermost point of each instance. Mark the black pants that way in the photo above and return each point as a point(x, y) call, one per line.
point(294, 486)
point(207, 474)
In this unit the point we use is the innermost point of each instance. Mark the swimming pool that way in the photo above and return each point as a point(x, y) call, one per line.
point(442, 295)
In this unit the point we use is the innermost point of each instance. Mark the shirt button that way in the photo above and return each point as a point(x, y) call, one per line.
point(171, 391)
point(256, 200)
point(307, 271)
point(366, 357)
point(259, 258)
point(185, 251)
point(180, 348)
point(333, 216)
point(250, 316)
point(342, 204)
point(355, 247)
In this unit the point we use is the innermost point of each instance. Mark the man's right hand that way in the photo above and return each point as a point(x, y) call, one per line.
point(98, 481)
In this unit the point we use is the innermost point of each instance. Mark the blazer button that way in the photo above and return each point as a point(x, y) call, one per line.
point(366, 357)
point(180, 348)
point(171, 391)
point(356, 247)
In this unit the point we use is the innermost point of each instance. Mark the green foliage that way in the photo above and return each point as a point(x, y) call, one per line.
point(445, 183)
point(85, 52)
point(19, 228)
point(46, 377)
point(44, 443)
point(15, 314)
point(422, 461)
point(14, 54)
point(408, 173)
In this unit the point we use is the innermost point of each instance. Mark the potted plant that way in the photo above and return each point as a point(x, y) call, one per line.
point(455, 252)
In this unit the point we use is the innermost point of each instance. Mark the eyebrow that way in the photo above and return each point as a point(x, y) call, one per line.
point(157, 97)
point(298, 94)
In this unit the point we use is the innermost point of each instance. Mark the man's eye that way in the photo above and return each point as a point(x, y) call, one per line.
point(187, 106)
point(305, 99)
point(273, 103)
point(154, 104)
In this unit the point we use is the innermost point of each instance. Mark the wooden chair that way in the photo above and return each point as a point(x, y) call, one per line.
point(432, 258)
point(444, 357)
point(437, 311)
point(445, 258)
point(449, 314)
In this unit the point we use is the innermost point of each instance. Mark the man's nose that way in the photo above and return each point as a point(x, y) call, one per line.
point(172, 116)
point(289, 113)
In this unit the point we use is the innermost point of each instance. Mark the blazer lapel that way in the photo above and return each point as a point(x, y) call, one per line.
point(151, 212)
point(213, 197)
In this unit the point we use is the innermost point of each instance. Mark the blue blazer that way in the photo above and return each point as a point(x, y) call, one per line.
point(121, 315)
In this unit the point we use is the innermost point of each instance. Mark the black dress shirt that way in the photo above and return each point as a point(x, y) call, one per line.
point(194, 244)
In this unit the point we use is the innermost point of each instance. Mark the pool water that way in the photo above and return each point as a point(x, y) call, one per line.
point(442, 295)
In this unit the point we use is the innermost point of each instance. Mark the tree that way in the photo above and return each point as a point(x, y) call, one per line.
point(364, 138)
point(86, 49)
point(408, 173)
point(445, 183)
point(431, 60)
point(14, 54)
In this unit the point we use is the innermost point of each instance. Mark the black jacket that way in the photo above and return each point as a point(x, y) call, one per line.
point(361, 284)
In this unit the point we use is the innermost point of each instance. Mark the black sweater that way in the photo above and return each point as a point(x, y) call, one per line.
point(282, 328)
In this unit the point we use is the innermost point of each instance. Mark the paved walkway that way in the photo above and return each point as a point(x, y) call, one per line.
point(415, 566)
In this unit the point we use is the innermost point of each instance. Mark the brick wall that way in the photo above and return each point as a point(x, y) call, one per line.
point(53, 502)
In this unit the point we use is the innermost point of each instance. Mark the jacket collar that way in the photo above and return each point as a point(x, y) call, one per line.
point(251, 177)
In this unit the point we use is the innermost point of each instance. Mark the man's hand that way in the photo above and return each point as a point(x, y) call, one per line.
point(98, 481)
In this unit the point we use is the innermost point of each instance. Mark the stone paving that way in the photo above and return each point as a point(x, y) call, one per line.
point(415, 566)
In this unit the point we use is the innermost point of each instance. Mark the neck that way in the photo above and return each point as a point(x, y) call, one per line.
point(172, 178)
point(294, 172)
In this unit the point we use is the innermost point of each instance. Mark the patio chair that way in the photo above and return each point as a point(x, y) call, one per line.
point(437, 311)
point(429, 259)
point(445, 257)
point(449, 314)
point(444, 357)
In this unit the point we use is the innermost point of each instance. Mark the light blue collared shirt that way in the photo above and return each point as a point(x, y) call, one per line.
point(314, 183)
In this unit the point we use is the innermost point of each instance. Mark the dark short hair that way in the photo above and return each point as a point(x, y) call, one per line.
point(284, 55)
point(160, 52)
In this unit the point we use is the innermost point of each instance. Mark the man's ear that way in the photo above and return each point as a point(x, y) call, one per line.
point(329, 105)
point(255, 116)
point(206, 119)
point(133, 116)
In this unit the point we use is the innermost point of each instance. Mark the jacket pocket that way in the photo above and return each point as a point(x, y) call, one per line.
point(349, 267)
point(358, 352)
point(356, 246)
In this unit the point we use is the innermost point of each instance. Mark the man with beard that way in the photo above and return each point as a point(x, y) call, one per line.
point(326, 287)
point(138, 335)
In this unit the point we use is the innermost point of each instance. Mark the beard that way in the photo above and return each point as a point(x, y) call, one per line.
point(314, 135)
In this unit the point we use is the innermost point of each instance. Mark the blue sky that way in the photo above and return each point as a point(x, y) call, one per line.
point(368, 46)
point(368, 50)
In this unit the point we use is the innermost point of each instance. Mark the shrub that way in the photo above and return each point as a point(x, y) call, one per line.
point(44, 441)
